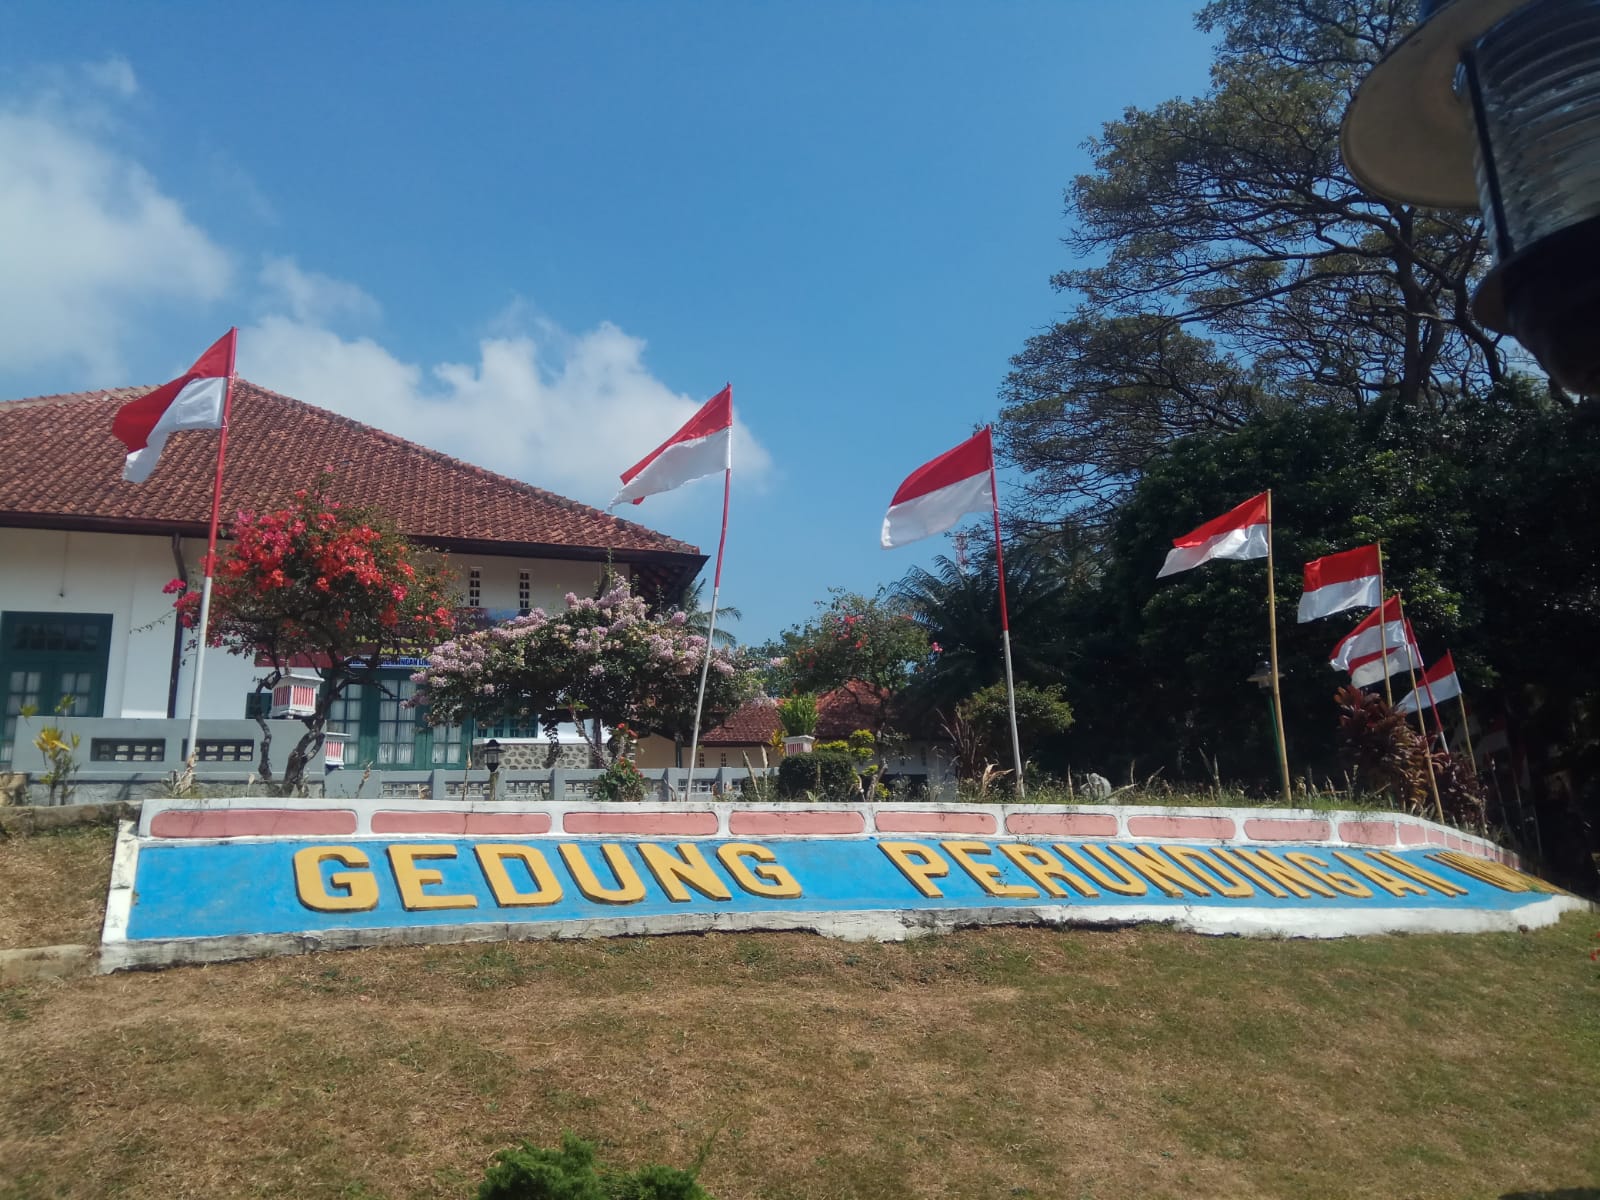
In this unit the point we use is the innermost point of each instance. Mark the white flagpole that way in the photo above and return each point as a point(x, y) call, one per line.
point(711, 626)
point(1005, 630)
point(210, 563)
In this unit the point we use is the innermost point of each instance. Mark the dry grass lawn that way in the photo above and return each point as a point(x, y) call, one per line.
point(53, 886)
point(989, 1063)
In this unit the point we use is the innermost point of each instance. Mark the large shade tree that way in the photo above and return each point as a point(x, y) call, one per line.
point(871, 639)
point(1228, 264)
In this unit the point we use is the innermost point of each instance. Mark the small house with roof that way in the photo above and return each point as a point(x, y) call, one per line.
point(84, 556)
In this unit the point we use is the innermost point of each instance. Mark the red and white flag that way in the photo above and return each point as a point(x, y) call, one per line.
point(1349, 579)
point(1368, 669)
point(939, 493)
point(703, 446)
point(1439, 682)
point(195, 400)
point(1241, 532)
point(1381, 628)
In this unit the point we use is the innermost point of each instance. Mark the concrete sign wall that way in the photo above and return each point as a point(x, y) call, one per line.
point(232, 879)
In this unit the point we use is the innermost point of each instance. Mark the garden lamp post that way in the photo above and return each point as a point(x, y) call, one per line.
point(491, 761)
point(1495, 105)
point(1262, 678)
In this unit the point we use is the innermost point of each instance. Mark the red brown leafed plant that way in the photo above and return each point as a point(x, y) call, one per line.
point(1385, 753)
point(1388, 756)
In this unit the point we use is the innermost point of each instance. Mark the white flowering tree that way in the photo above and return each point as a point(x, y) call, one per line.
point(604, 662)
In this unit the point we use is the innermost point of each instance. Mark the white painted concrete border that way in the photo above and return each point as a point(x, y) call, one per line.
point(119, 899)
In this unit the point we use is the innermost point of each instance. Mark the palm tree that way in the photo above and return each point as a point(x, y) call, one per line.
point(960, 609)
point(699, 613)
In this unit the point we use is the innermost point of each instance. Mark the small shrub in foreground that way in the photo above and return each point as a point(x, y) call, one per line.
point(571, 1173)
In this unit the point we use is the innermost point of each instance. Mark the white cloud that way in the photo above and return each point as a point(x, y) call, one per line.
point(88, 243)
point(92, 250)
point(567, 412)
point(314, 298)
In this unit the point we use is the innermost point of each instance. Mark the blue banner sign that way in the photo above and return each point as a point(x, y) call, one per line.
point(365, 890)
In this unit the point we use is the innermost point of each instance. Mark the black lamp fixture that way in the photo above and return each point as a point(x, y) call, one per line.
point(491, 755)
point(1262, 677)
point(1495, 104)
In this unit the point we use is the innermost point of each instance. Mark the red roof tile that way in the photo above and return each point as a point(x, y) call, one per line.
point(839, 714)
point(751, 724)
point(61, 467)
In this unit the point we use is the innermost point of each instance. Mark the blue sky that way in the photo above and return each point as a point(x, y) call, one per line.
point(537, 235)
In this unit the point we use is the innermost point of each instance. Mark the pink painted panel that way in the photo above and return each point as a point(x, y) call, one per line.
point(1181, 827)
point(1436, 837)
point(1368, 833)
point(1456, 842)
point(1286, 829)
point(644, 824)
point(509, 822)
point(766, 823)
point(390, 821)
point(901, 821)
point(1412, 835)
point(251, 822)
point(1063, 824)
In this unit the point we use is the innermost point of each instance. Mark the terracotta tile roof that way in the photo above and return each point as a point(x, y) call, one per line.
point(839, 714)
point(61, 467)
point(751, 724)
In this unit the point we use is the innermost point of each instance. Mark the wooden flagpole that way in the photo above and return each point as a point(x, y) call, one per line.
point(1272, 644)
point(711, 626)
point(1422, 720)
point(1466, 721)
point(1383, 640)
point(1005, 629)
point(210, 563)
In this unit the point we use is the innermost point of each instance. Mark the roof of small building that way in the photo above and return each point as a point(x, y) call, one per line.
point(840, 713)
point(60, 467)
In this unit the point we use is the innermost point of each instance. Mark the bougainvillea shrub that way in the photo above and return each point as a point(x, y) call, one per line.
point(325, 583)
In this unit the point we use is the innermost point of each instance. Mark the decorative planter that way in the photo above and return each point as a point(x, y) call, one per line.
point(799, 744)
point(295, 695)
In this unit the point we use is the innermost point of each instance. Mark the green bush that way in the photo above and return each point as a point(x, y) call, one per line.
point(571, 1173)
point(827, 773)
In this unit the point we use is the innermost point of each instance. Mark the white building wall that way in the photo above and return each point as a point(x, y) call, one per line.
point(122, 575)
point(117, 574)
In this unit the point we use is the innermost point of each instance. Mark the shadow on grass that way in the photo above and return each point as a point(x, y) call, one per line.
point(1583, 1193)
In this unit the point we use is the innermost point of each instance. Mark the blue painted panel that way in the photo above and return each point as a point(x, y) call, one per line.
point(211, 890)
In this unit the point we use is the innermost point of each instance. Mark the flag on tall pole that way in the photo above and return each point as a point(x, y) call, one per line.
point(1388, 660)
point(1349, 579)
point(931, 500)
point(940, 492)
point(1439, 682)
point(200, 399)
point(1380, 630)
point(702, 446)
point(1244, 531)
point(197, 399)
